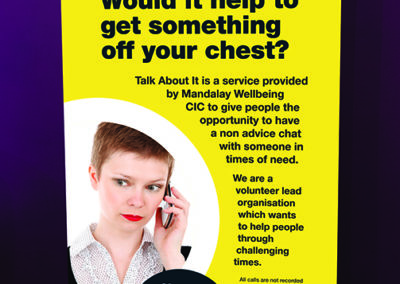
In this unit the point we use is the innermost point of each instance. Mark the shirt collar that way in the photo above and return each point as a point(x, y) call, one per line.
point(86, 239)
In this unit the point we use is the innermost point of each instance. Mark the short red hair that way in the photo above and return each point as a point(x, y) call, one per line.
point(112, 137)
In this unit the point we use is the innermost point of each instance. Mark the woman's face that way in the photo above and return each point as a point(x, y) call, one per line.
point(130, 189)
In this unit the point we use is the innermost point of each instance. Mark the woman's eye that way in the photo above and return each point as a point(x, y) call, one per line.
point(121, 182)
point(153, 187)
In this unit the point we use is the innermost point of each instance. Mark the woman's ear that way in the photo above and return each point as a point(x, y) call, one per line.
point(93, 176)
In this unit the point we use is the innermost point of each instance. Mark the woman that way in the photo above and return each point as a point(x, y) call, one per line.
point(130, 171)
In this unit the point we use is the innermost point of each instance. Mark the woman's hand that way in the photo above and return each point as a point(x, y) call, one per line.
point(169, 241)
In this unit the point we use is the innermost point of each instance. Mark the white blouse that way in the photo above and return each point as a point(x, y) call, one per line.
point(91, 262)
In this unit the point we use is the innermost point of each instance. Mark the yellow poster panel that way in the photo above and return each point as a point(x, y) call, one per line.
point(253, 85)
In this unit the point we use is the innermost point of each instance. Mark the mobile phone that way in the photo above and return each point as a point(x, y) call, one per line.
point(167, 218)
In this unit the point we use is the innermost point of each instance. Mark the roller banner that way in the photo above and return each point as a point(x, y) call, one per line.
point(244, 94)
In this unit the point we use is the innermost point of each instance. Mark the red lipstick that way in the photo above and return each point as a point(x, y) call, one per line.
point(133, 218)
